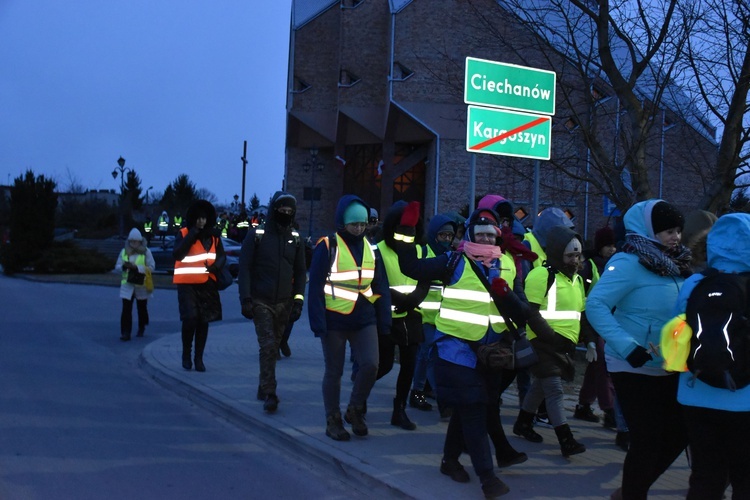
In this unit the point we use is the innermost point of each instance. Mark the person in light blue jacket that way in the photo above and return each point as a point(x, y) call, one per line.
point(629, 305)
point(718, 420)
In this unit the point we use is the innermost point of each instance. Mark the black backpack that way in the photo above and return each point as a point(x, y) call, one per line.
point(717, 311)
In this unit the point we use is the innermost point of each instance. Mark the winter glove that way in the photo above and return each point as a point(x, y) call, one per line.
point(638, 357)
point(591, 355)
point(407, 228)
point(247, 308)
point(213, 269)
point(508, 303)
point(296, 311)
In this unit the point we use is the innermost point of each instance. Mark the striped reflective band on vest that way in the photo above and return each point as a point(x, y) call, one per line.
point(469, 296)
point(140, 260)
point(403, 237)
point(191, 270)
point(551, 312)
point(346, 282)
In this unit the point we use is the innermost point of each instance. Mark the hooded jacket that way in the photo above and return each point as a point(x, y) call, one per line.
point(365, 313)
point(128, 290)
point(537, 240)
point(642, 301)
point(272, 267)
point(727, 252)
point(437, 222)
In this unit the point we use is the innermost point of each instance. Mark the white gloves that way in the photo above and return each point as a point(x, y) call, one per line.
point(591, 352)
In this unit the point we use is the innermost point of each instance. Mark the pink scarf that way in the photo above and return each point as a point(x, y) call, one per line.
point(480, 252)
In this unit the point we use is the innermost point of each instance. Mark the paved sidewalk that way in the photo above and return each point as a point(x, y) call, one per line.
point(389, 461)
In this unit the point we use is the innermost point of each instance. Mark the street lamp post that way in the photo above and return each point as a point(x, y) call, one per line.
point(312, 165)
point(149, 189)
point(122, 169)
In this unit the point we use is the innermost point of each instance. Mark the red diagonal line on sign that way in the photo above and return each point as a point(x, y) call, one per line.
point(507, 134)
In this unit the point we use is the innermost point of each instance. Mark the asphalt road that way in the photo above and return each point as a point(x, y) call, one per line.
point(79, 419)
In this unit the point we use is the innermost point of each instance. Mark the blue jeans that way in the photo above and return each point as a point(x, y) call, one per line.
point(424, 369)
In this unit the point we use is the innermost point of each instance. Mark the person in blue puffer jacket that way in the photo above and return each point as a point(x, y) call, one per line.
point(718, 420)
point(628, 307)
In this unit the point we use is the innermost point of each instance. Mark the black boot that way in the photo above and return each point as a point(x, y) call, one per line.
point(505, 454)
point(355, 416)
point(188, 329)
point(335, 427)
point(417, 400)
point(201, 335)
point(524, 427)
point(125, 336)
point(399, 418)
point(568, 445)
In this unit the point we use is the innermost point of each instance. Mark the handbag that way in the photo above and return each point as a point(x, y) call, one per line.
point(495, 356)
point(224, 279)
point(149, 281)
point(135, 277)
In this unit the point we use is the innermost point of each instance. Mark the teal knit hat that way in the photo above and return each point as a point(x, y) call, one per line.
point(355, 212)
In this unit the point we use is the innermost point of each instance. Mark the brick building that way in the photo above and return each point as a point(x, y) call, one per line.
point(376, 89)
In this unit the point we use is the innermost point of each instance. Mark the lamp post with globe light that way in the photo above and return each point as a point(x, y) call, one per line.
point(122, 169)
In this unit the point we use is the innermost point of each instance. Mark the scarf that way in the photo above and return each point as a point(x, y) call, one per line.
point(479, 252)
point(657, 258)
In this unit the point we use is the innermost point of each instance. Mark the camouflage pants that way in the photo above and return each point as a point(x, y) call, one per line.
point(270, 320)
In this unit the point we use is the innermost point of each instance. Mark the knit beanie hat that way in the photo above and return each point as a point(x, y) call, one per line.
point(355, 212)
point(604, 237)
point(447, 228)
point(666, 216)
point(482, 223)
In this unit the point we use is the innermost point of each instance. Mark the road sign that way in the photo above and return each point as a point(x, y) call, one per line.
point(502, 85)
point(509, 133)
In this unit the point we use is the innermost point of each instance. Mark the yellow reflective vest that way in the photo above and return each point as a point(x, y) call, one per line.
point(537, 249)
point(396, 279)
point(140, 261)
point(347, 281)
point(563, 304)
point(431, 303)
point(467, 309)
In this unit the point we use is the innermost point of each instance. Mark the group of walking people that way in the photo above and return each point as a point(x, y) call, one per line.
point(442, 299)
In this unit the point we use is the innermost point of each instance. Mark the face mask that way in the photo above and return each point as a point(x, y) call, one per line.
point(283, 219)
point(445, 244)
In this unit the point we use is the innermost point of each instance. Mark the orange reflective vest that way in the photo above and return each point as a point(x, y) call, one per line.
point(191, 270)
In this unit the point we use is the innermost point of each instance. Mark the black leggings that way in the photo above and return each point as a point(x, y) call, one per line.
point(407, 359)
point(199, 329)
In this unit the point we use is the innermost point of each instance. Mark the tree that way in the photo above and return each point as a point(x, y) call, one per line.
point(32, 220)
point(179, 195)
point(254, 202)
point(624, 71)
point(132, 195)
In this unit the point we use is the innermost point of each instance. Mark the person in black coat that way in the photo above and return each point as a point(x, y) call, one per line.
point(199, 256)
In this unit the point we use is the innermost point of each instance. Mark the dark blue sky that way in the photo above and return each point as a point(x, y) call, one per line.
point(173, 86)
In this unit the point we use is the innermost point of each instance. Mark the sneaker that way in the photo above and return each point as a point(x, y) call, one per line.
point(455, 470)
point(494, 488)
point(417, 400)
point(584, 412)
point(543, 419)
point(271, 404)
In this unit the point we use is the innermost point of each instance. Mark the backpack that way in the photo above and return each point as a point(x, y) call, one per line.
point(717, 311)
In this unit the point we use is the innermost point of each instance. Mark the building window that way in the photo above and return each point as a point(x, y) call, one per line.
point(521, 214)
point(299, 85)
point(347, 78)
point(351, 4)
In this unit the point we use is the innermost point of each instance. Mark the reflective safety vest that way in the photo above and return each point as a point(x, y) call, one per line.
point(177, 222)
point(243, 224)
point(396, 280)
point(147, 226)
point(163, 223)
point(562, 306)
point(191, 270)
point(467, 309)
point(347, 281)
point(537, 249)
point(140, 260)
point(431, 303)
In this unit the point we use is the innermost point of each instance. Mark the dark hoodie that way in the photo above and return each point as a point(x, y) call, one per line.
point(272, 268)
point(433, 228)
point(365, 313)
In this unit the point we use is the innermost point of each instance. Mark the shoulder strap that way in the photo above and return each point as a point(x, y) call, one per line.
point(551, 271)
point(511, 326)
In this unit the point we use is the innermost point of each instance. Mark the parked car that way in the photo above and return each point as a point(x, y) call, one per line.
point(165, 262)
